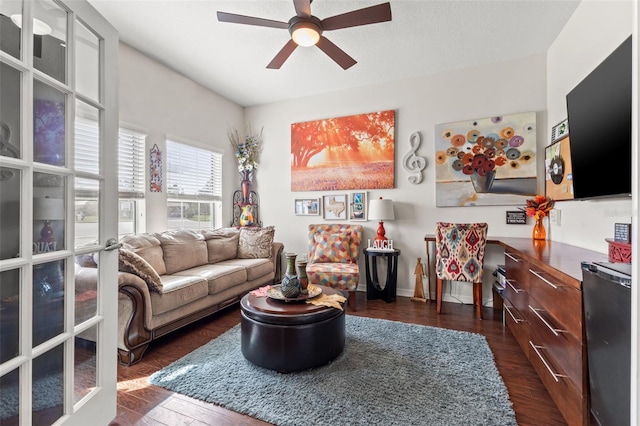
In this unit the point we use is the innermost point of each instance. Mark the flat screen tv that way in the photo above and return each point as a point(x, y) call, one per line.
point(599, 114)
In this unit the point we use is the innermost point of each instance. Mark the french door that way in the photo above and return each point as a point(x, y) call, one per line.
point(58, 212)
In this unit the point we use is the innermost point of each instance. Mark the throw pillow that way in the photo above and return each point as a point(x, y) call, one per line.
point(222, 243)
point(331, 248)
point(255, 243)
point(182, 249)
point(130, 262)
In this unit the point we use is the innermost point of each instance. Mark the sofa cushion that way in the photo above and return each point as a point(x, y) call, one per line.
point(331, 248)
point(130, 262)
point(179, 290)
point(147, 247)
point(182, 249)
point(222, 243)
point(256, 268)
point(255, 243)
point(219, 277)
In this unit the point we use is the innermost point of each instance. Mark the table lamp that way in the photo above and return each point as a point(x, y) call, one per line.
point(380, 210)
point(47, 209)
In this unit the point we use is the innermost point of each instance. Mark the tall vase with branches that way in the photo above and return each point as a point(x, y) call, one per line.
point(246, 150)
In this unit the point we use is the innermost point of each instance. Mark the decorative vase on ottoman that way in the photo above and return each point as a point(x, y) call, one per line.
point(290, 286)
point(302, 276)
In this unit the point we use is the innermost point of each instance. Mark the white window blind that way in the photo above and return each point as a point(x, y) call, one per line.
point(130, 156)
point(87, 145)
point(193, 173)
point(131, 164)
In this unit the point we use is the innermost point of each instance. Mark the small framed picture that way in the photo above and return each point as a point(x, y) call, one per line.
point(334, 207)
point(358, 206)
point(307, 207)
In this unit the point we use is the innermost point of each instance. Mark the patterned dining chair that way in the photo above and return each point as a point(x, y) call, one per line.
point(333, 257)
point(460, 249)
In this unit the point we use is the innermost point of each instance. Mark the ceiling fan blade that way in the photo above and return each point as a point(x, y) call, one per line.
point(368, 15)
point(282, 55)
point(250, 20)
point(335, 53)
point(303, 8)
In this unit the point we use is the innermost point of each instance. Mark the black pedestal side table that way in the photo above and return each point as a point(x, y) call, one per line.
point(374, 289)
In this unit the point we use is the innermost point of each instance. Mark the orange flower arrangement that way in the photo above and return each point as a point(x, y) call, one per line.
point(539, 207)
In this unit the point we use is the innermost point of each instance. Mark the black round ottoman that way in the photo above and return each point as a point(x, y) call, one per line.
point(290, 336)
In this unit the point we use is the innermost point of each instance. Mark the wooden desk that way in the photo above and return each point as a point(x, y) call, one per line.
point(543, 310)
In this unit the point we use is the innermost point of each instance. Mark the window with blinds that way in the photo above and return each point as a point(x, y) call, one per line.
point(131, 174)
point(194, 186)
point(193, 173)
point(130, 156)
point(131, 164)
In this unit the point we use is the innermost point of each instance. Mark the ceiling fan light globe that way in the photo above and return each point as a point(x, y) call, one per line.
point(305, 35)
point(39, 27)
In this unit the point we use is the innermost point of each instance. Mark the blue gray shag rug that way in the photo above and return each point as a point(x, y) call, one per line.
point(390, 373)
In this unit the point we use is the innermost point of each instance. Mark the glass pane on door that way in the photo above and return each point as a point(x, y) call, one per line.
point(10, 140)
point(87, 221)
point(50, 39)
point(85, 363)
point(48, 386)
point(86, 287)
point(48, 212)
point(11, 27)
point(49, 124)
point(9, 314)
point(48, 301)
point(10, 217)
point(87, 138)
point(87, 62)
point(9, 385)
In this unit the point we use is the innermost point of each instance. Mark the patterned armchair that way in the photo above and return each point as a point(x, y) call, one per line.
point(460, 251)
point(333, 257)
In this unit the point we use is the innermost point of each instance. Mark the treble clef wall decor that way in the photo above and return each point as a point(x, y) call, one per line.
point(413, 163)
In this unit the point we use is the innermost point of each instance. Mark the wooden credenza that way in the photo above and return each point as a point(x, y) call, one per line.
point(543, 309)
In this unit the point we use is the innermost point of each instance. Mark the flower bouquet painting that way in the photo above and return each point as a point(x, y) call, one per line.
point(489, 161)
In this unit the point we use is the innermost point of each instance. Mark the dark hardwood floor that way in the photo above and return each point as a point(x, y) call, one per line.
point(140, 403)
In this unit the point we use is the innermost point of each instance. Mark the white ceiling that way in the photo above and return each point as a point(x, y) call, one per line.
point(424, 37)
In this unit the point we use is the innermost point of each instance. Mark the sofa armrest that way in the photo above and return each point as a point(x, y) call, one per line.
point(276, 256)
point(134, 311)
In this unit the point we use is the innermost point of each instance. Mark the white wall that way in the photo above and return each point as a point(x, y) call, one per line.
point(160, 102)
point(595, 30)
point(421, 103)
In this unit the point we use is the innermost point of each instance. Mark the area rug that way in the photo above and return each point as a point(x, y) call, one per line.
point(390, 373)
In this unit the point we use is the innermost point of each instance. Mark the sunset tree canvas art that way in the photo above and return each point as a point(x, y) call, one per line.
point(353, 152)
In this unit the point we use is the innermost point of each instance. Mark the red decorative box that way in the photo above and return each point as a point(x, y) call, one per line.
point(619, 251)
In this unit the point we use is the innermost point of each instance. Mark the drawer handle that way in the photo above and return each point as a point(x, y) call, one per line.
point(516, 320)
point(544, 279)
point(555, 331)
point(514, 289)
point(544, 361)
point(511, 257)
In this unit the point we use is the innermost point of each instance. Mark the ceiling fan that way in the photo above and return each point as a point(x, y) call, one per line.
point(306, 29)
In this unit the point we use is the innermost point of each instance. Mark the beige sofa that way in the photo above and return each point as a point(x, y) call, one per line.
point(170, 279)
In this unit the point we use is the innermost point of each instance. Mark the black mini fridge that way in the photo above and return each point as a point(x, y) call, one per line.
point(606, 292)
